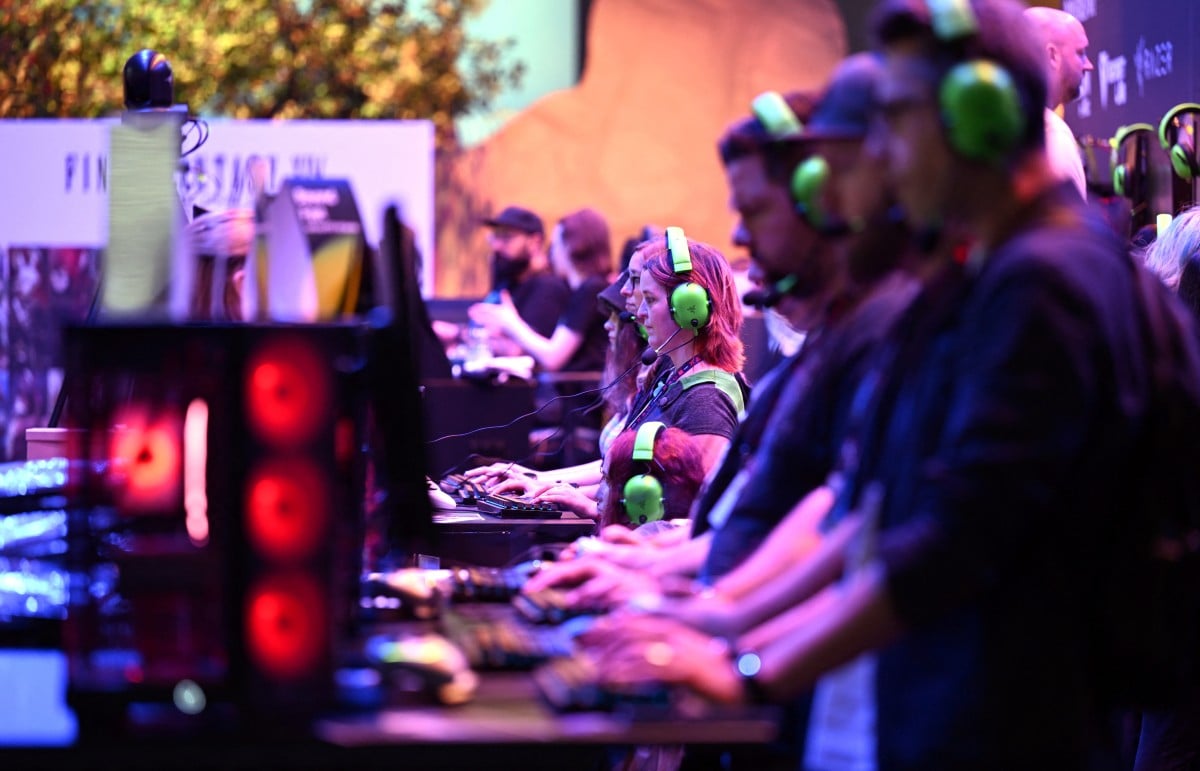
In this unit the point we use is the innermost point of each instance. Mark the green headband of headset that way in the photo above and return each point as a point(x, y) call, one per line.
point(952, 19)
point(1121, 171)
point(691, 306)
point(772, 111)
point(978, 99)
point(643, 493)
point(1179, 142)
point(677, 246)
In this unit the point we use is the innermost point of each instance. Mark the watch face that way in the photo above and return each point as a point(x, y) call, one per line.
point(748, 664)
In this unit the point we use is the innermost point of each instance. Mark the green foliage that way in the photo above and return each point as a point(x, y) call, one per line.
point(254, 58)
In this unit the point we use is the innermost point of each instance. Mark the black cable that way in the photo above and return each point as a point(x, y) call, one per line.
point(598, 391)
point(561, 429)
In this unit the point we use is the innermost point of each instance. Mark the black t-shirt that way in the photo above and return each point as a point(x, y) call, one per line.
point(703, 408)
point(798, 446)
point(541, 299)
point(583, 316)
point(748, 436)
point(997, 457)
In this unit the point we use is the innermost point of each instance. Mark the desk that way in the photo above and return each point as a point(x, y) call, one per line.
point(508, 710)
point(475, 539)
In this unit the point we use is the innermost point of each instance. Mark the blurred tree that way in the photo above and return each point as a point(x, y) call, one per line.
point(255, 58)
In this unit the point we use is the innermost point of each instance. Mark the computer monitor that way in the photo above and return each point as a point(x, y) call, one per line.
point(464, 418)
point(399, 429)
point(399, 270)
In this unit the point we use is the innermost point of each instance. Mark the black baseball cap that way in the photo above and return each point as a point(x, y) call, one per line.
point(845, 108)
point(610, 298)
point(518, 219)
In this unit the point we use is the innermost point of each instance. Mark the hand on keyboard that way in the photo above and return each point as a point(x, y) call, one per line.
point(517, 508)
point(550, 606)
point(579, 683)
point(642, 650)
point(506, 643)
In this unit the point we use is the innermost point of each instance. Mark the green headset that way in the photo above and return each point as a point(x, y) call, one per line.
point(691, 306)
point(1179, 140)
point(1122, 170)
point(978, 99)
point(810, 177)
point(642, 496)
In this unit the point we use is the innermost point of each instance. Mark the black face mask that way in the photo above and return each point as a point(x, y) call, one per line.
point(506, 270)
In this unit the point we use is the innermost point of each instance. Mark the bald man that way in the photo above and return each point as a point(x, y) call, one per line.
point(1066, 45)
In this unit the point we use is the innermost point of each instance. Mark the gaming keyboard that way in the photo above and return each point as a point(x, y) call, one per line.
point(463, 490)
point(516, 508)
point(504, 643)
point(487, 584)
point(573, 685)
point(467, 492)
point(549, 606)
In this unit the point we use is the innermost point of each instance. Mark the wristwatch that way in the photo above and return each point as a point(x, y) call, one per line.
point(748, 665)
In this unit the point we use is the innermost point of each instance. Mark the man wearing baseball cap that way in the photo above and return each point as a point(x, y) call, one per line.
point(517, 239)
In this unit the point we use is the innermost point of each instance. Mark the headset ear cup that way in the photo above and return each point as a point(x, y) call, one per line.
point(808, 188)
point(981, 110)
point(691, 306)
point(1178, 139)
point(643, 499)
point(1120, 173)
point(1180, 163)
point(1183, 156)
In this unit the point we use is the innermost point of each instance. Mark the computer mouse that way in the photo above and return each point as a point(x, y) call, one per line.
point(438, 498)
point(415, 592)
point(428, 663)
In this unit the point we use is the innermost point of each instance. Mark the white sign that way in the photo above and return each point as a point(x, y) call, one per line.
point(57, 173)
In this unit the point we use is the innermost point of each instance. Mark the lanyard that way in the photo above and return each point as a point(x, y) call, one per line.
point(660, 388)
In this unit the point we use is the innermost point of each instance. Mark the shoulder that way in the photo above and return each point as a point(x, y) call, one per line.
point(1072, 248)
point(545, 281)
point(878, 310)
point(583, 297)
point(701, 409)
point(709, 392)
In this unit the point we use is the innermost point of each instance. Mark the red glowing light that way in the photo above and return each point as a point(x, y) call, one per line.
point(285, 625)
point(287, 392)
point(147, 458)
point(287, 509)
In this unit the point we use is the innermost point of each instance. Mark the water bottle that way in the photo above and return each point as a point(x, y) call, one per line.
point(478, 347)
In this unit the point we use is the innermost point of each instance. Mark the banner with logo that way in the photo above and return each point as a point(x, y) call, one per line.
point(1147, 59)
point(54, 218)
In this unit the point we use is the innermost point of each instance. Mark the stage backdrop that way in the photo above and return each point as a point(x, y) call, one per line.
point(1146, 55)
point(53, 219)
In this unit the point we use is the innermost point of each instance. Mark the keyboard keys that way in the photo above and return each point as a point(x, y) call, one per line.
point(573, 685)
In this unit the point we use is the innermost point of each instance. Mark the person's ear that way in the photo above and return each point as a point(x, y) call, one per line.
point(1054, 55)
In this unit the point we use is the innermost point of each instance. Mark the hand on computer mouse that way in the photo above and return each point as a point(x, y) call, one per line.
point(420, 592)
point(438, 498)
point(431, 663)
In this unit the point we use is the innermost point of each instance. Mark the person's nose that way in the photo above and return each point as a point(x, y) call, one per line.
point(741, 236)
